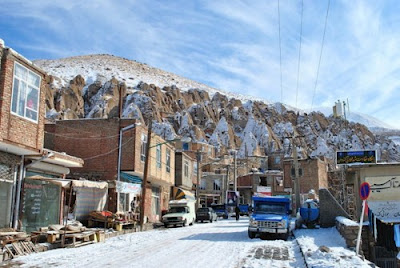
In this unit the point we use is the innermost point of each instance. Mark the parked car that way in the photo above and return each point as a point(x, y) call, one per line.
point(206, 214)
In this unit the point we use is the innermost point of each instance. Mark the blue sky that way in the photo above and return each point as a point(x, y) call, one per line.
point(231, 45)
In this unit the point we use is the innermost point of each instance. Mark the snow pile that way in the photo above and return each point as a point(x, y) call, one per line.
point(312, 241)
point(346, 221)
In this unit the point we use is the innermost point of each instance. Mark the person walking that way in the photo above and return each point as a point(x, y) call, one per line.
point(237, 211)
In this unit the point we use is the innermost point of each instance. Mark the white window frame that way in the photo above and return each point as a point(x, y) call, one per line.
point(143, 148)
point(168, 160)
point(158, 156)
point(29, 85)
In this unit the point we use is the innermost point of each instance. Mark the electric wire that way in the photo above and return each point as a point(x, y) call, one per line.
point(298, 64)
point(280, 52)
point(320, 55)
point(109, 152)
point(82, 138)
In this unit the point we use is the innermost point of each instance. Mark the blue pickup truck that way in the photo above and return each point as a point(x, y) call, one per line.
point(271, 216)
point(221, 210)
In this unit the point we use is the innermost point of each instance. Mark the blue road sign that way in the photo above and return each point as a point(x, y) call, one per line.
point(365, 189)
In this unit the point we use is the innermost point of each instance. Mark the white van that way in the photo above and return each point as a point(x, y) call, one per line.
point(180, 212)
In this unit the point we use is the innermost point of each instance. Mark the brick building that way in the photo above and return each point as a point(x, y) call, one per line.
point(313, 175)
point(22, 110)
point(97, 142)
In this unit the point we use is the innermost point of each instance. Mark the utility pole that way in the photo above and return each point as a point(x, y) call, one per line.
point(235, 170)
point(296, 175)
point(198, 156)
point(145, 175)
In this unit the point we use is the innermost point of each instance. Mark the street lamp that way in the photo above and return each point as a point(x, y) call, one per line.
point(121, 131)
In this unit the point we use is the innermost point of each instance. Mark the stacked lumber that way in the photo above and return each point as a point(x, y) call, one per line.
point(14, 244)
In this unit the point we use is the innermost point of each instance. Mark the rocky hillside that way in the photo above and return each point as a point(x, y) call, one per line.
point(91, 87)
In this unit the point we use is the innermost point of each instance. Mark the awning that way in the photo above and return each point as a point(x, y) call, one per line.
point(90, 184)
point(127, 177)
point(386, 211)
point(57, 181)
point(128, 188)
point(182, 194)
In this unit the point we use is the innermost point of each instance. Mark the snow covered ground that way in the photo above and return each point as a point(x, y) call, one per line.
point(219, 244)
point(338, 256)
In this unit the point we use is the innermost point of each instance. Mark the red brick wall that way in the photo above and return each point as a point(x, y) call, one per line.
point(13, 128)
point(314, 175)
point(96, 141)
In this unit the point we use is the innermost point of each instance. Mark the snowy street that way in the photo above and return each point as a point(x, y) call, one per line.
point(219, 244)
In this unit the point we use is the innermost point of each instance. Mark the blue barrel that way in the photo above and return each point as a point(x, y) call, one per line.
point(309, 212)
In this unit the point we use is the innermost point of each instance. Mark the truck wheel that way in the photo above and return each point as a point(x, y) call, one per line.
point(165, 225)
point(184, 223)
point(191, 222)
point(211, 220)
point(251, 234)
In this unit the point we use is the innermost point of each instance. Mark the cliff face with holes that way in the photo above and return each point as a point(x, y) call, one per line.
point(93, 86)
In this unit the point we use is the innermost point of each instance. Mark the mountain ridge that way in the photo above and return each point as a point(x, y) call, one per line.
point(90, 86)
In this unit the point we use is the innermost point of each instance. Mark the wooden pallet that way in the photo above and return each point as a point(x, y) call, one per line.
point(79, 239)
point(20, 248)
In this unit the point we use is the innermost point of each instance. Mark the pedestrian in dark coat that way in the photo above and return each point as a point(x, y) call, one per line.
point(237, 211)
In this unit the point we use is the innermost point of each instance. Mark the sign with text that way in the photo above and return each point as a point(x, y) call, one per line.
point(386, 211)
point(265, 190)
point(384, 188)
point(352, 157)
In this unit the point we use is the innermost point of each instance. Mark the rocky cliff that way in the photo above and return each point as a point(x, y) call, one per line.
point(94, 86)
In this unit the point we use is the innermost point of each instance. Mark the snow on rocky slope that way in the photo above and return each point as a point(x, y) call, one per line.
point(90, 87)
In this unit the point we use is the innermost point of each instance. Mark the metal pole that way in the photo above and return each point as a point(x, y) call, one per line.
point(235, 171)
point(18, 193)
point(296, 175)
point(145, 175)
point(198, 180)
point(360, 228)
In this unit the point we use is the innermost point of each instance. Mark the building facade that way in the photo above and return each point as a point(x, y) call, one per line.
point(97, 142)
point(22, 115)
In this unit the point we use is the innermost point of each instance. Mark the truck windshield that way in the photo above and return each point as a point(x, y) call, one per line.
point(263, 208)
point(218, 207)
point(177, 210)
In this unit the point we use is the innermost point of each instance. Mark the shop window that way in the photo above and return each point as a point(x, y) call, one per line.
point(25, 93)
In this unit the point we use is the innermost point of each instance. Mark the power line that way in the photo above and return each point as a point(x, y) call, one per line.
point(109, 152)
point(298, 65)
point(81, 138)
point(320, 55)
point(280, 51)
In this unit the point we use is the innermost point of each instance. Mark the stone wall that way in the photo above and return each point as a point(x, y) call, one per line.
point(348, 229)
point(329, 208)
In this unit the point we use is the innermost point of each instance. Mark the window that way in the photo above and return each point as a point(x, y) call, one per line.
point(217, 185)
point(168, 162)
point(185, 146)
point(277, 160)
point(143, 148)
point(186, 169)
point(158, 156)
point(155, 201)
point(203, 184)
point(25, 94)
